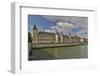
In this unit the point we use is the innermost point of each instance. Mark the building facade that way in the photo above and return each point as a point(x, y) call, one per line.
point(47, 37)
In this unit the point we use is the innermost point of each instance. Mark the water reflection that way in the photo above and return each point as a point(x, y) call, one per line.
point(71, 52)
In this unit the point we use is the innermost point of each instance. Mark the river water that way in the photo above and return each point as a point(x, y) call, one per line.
point(70, 52)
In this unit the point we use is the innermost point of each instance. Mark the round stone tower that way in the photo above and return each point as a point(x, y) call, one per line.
point(61, 37)
point(34, 34)
point(57, 37)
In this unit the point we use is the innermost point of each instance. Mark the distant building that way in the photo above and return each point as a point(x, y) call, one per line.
point(48, 37)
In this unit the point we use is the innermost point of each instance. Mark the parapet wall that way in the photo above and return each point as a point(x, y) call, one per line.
point(42, 45)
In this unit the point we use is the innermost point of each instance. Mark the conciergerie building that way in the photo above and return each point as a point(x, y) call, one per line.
point(48, 37)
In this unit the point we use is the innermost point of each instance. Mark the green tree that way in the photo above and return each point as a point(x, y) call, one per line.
point(29, 37)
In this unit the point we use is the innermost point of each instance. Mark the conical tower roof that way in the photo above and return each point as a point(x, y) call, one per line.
point(34, 27)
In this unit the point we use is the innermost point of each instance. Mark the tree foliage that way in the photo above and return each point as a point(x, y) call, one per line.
point(29, 37)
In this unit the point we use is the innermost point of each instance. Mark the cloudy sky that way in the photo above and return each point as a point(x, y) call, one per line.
point(65, 24)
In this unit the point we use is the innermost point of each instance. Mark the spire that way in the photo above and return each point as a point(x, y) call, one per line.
point(56, 31)
point(61, 33)
point(69, 33)
point(34, 27)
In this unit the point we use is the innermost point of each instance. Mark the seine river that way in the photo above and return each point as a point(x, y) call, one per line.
point(70, 52)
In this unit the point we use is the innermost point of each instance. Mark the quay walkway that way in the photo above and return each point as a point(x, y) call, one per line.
point(48, 45)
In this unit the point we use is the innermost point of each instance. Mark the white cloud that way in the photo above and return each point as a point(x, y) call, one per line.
point(50, 30)
point(61, 27)
point(83, 33)
point(66, 23)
